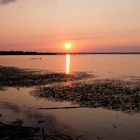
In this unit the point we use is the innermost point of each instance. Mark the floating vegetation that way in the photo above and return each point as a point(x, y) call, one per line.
point(15, 77)
point(111, 94)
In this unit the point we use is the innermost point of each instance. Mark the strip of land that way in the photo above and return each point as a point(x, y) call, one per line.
point(59, 53)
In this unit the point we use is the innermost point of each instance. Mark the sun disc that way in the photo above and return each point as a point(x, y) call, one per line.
point(68, 46)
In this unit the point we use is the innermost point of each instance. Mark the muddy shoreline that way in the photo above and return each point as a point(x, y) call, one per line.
point(110, 94)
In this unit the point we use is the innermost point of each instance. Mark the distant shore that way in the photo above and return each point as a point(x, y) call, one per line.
point(59, 53)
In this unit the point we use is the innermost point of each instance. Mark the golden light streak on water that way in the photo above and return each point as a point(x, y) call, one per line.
point(67, 64)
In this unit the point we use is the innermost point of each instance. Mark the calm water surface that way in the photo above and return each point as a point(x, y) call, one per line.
point(92, 123)
point(101, 65)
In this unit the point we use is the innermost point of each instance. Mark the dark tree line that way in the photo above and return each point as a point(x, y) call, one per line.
point(56, 53)
point(24, 53)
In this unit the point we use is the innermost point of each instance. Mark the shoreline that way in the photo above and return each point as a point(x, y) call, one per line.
point(2, 53)
point(55, 111)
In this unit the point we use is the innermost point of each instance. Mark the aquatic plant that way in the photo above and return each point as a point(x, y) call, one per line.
point(110, 94)
point(15, 77)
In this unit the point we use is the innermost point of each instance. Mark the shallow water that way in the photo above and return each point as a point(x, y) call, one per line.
point(100, 65)
point(91, 123)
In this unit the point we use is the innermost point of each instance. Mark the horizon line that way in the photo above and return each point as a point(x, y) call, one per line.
point(11, 52)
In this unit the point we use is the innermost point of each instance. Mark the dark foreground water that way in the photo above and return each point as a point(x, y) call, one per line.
point(83, 97)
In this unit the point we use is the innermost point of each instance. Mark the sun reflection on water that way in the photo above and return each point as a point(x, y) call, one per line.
point(67, 63)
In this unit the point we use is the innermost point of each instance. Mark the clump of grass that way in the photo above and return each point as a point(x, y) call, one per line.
point(111, 94)
point(15, 77)
point(16, 132)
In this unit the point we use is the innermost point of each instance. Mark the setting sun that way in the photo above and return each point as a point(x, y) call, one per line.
point(68, 46)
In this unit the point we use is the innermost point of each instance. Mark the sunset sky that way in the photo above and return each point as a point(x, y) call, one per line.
point(89, 25)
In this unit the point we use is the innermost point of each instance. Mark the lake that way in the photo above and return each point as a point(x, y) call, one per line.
point(87, 122)
point(100, 65)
